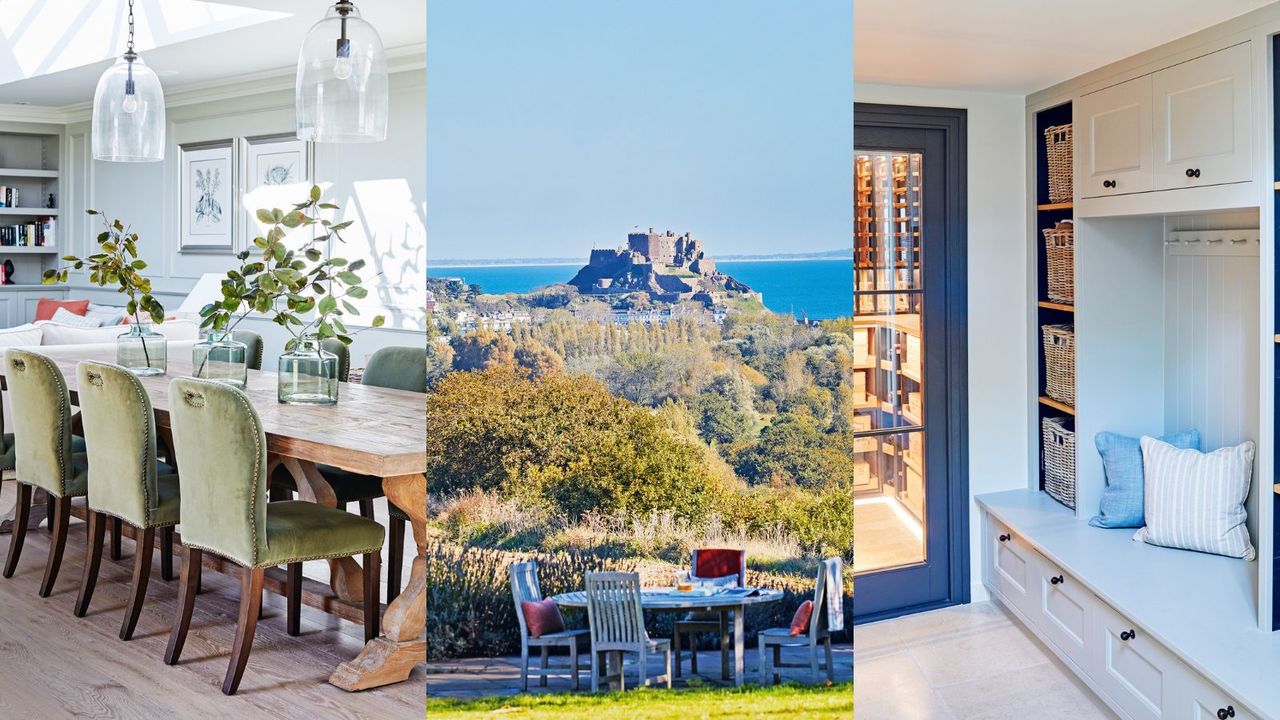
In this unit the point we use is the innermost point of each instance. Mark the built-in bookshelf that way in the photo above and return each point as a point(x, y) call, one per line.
point(30, 192)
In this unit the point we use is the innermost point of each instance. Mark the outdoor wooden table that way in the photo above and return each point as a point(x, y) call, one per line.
point(372, 431)
point(734, 600)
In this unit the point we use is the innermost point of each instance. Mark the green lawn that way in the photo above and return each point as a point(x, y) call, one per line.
point(782, 701)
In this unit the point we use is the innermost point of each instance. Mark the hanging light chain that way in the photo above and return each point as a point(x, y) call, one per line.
point(129, 53)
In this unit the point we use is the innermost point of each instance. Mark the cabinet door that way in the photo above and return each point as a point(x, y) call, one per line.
point(1202, 120)
point(10, 313)
point(1136, 672)
point(1013, 567)
point(1113, 140)
point(1066, 613)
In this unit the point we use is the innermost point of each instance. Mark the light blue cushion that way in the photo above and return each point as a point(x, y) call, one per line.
point(1121, 504)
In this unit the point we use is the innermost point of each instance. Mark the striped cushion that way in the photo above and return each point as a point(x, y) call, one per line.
point(1195, 500)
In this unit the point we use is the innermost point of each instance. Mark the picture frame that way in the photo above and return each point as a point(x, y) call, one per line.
point(276, 172)
point(206, 192)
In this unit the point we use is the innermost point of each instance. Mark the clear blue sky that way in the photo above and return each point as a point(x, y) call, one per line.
point(556, 125)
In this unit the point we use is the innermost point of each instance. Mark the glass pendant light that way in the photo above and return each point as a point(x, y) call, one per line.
point(128, 110)
point(342, 80)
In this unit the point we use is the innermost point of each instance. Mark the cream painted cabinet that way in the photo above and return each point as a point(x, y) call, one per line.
point(1202, 120)
point(1138, 673)
point(1065, 612)
point(1113, 140)
point(1203, 701)
point(1013, 567)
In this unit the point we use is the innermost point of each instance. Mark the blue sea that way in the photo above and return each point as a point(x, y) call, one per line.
point(816, 289)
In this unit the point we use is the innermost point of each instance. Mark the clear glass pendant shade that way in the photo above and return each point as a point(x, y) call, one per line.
point(342, 80)
point(128, 114)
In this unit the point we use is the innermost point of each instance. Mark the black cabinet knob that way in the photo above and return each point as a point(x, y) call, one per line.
point(1055, 580)
point(1112, 183)
point(1226, 712)
point(1128, 635)
point(1005, 537)
point(1193, 172)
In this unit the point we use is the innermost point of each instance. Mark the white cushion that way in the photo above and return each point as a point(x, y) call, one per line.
point(109, 314)
point(21, 336)
point(1194, 500)
point(63, 316)
point(55, 334)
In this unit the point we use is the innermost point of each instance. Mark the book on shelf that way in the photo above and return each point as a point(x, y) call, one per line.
point(37, 233)
point(9, 196)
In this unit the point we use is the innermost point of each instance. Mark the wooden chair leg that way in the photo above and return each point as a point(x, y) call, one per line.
point(293, 591)
point(366, 508)
point(141, 577)
point(777, 662)
point(675, 645)
point(724, 646)
point(21, 512)
point(186, 601)
point(166, 553)
point(50, 507)
point(92, 560)
point(693, 653)
point(542, 666)
point(573, 662)
point(395, 556)
point(250, 601)
point(115, 537)
point(764, 663)
point(831, 671)
point(57, 544)
point(524, 667)
point(372, 608)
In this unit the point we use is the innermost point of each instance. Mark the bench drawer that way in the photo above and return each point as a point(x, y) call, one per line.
point(1138, 673)
point(1202, 700)
point(1065, 612)
point(1014, 567)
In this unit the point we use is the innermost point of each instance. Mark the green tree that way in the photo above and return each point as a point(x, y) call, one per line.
point(483, 349)
point(793, 451)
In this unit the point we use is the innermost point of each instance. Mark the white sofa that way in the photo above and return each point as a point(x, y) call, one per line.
point(56, 340)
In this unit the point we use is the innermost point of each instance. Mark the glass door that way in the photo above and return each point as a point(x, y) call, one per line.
point(909, 550)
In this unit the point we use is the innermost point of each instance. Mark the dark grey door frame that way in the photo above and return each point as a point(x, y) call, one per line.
point(876, 591)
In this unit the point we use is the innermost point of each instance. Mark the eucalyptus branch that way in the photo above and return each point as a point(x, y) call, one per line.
point(116, 263)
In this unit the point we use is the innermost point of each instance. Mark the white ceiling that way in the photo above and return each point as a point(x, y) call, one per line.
point(1016, 45)
point(52, 51)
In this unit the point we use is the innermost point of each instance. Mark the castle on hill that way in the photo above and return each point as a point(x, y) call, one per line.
point(667, 266)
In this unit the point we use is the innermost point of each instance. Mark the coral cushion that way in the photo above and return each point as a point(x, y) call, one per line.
point(800, 623)
point(718, 562)
point(46, 307)
point(542, 617)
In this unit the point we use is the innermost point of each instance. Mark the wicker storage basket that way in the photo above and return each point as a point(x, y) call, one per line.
point(1057, 144)
point(1060, 261)
point(1058, 458)
point(1060, 362)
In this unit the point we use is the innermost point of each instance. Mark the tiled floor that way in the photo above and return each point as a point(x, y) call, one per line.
point(964, 663)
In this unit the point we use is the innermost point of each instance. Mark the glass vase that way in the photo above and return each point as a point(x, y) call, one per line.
point(219, 357)
point(308, 374)
point(142, 351)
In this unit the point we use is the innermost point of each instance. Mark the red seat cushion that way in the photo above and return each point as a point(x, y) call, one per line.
point(46, 307)
point(800, 623)
point(718, 562)
point(542, 617)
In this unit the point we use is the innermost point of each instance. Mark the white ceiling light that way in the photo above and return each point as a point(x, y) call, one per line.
point(341, 84)
point(128, 110)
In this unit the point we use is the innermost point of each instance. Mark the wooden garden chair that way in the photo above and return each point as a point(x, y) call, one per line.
point(525, 588)
point(818, 633)
point(616, 618)
point(707, 564)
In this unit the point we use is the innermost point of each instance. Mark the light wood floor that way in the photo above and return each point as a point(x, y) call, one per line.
point(884, 537)
point(55, 665)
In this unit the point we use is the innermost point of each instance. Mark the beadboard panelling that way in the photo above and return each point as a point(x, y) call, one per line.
point(1211, 340)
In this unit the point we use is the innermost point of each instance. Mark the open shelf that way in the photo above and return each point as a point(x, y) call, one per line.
point(1056, 306)
point(27, 250)
point(20, 173)
point(46, 212)
point(1050, 402)
point(1054, 206)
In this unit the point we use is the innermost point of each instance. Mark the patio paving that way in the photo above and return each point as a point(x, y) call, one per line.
point(483, 677)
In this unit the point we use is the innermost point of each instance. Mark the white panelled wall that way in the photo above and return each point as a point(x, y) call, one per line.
point(381, 188)
point(998, 282)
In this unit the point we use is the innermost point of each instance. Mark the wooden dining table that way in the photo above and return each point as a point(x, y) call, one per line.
point(371, 431)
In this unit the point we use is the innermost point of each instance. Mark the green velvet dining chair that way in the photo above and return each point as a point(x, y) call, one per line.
point(398, 368)
point(339, 348)
point(253, 347)
point(44, 456)
point(126, 481)
point(222, 452)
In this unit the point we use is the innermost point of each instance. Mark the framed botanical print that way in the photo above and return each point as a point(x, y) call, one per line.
point(206, 194)
point(277, 174)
